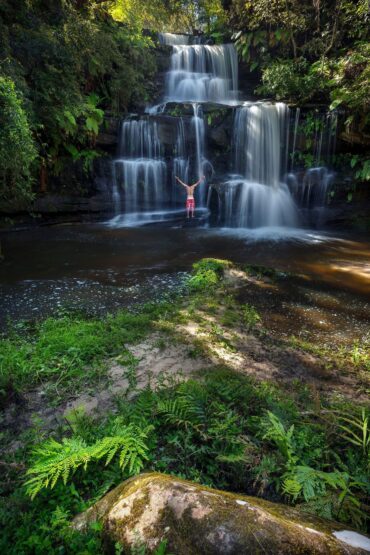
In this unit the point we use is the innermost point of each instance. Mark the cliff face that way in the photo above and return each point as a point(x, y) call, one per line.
point(78, 193)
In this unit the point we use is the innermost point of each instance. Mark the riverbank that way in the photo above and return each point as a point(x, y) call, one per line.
point(231, 328)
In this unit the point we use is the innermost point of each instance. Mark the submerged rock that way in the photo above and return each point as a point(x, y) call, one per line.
point(197, 520)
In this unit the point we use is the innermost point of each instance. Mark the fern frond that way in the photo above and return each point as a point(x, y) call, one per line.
point(54, 460)
point(311, 483)
point(179, 412)
point(129, 443)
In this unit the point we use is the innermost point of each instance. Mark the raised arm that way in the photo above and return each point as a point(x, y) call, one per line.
point(181, 182)
point(199, 181)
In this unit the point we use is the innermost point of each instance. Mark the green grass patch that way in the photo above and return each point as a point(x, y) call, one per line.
point(70, 350)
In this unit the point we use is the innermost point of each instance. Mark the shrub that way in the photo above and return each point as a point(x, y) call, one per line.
point(290, 80)
point(207, 273)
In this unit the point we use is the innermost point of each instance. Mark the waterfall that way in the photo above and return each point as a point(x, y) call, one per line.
point(202, 73)
point(257, 197)
point(181, 161)
point(249, 204)
point(311, 186)
point(278, 162)
point(139, 139)
point(139, 174)
point(257, 144)
point(171, 39)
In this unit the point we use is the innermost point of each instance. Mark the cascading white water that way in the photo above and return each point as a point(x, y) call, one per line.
point(257, 197)
point(181, 161)
point(139, 138)
point(249, 204)
point(257, 142)
point(202, 73)
point(171, 39)
point(268, 182)
point(139, 172)
point(313, 189)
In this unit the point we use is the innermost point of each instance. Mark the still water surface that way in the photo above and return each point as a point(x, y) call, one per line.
point(100, 269)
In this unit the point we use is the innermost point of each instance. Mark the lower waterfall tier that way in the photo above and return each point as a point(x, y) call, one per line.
point(248, 154)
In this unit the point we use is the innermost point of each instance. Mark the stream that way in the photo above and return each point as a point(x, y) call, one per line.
point(96, 269)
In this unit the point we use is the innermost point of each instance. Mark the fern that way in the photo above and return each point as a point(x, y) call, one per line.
point(129, 443)
point(357, 431)
point(283, 439)
point(55, 461)
point(179, 412)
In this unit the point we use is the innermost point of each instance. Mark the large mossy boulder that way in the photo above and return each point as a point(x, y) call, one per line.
point(197, 520)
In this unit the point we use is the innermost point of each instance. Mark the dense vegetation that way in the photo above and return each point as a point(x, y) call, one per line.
point(219, 428)
point(62, 65)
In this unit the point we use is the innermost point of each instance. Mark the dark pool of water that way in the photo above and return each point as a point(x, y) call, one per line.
point(99, 269)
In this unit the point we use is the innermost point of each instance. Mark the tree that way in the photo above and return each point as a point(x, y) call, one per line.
point(17, 148)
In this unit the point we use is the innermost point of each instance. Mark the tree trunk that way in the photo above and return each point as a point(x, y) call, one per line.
point(43, 178)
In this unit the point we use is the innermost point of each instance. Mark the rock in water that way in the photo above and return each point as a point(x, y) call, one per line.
point(197, 520)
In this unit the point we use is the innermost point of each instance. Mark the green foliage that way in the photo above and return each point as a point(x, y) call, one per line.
point(59, 349)
point(17, 148)
point(224, 431)
point(54, 461)
point(291, 80)
point(362, 167)
point(307, 50)
point(250, 316)
point(357, 431)
point(207, 273)
point(70, 64)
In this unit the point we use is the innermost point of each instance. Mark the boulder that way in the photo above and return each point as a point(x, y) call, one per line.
point(197, 520)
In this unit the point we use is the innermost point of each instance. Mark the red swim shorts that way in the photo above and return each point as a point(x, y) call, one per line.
point(190, 204)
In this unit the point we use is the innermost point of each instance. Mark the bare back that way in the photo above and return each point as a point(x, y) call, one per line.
point(190, 190)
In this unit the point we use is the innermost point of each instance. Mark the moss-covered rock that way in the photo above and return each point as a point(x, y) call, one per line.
point(198, 520)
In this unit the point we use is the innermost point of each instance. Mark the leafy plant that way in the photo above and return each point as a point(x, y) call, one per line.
point(250, 316)
point(357, 431)
point(54, 460)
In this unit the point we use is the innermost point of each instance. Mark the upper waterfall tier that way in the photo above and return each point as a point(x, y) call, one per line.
point(203, 73)
point(171, 39)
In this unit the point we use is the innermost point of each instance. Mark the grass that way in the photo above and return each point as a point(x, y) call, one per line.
point(70, 351)
point(223, 429)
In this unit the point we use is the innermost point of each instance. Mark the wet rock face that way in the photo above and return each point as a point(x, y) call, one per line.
point(197, 520)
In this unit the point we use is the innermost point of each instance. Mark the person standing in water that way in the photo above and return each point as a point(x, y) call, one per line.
point(190, 202)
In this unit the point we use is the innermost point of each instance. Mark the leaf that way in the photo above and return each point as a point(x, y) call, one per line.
point(335, 103)
point(91, 125)
point(93, 100)
point(72, 151)
point(70, 117)
point(253, 66)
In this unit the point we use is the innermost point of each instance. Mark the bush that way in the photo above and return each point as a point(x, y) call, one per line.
point(207, 273)
point(291, 80)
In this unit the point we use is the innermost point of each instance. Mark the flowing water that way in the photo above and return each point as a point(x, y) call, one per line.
point(202, 73)
point(261, 204)
point(266, 186)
